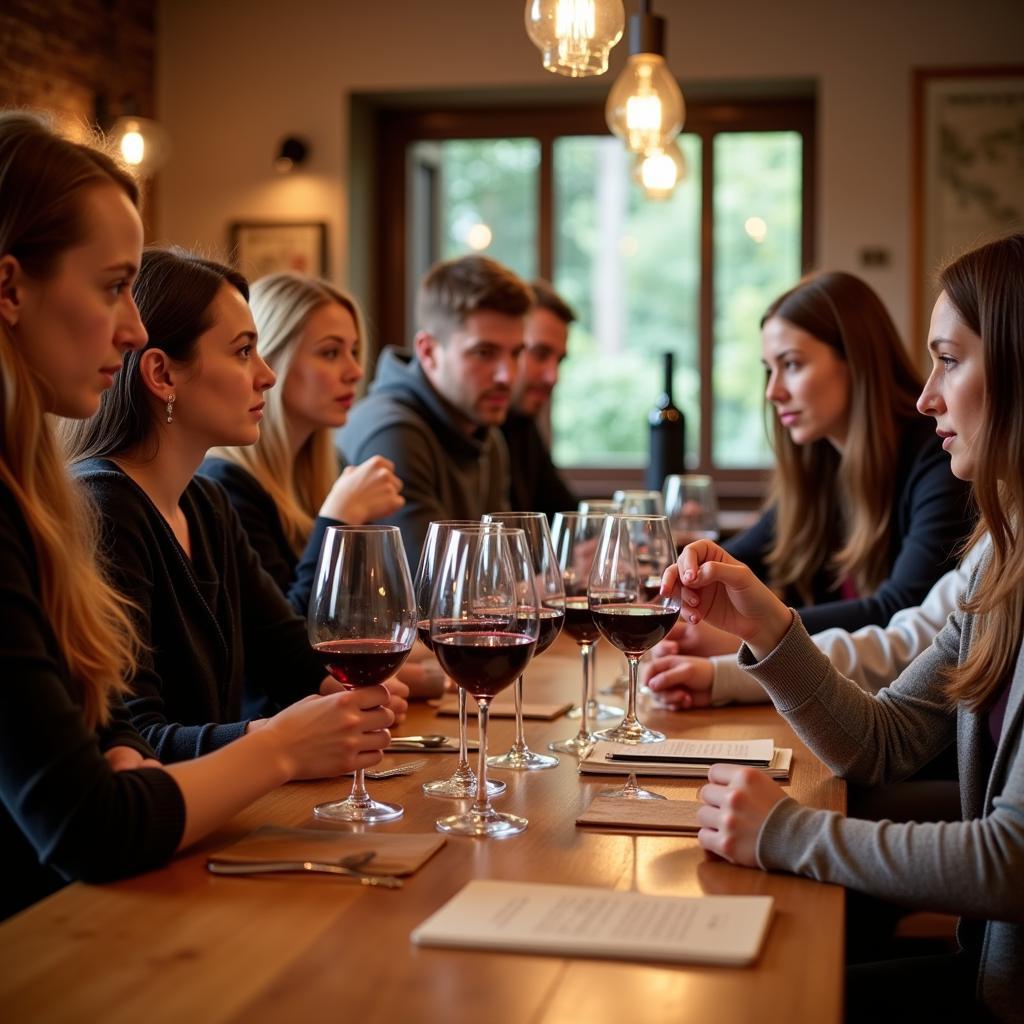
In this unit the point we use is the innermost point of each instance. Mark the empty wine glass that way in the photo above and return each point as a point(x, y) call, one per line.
point(461, 784)
point(626, 603)
point(575, 538)
point(691, 508)
point(596, 506)
point(548, 580)
point(362, 623)
point(639, 503)
point(484, 625)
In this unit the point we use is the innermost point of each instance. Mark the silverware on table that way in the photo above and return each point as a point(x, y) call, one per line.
point(406, 768)
point(346, 867)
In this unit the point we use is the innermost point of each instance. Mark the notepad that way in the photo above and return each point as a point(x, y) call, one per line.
point(503, 706)
point(580, 921)
point(664, 758)
point(652, 817)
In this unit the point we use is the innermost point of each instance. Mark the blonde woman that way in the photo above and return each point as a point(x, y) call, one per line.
point(80, 793)
point(286, 488)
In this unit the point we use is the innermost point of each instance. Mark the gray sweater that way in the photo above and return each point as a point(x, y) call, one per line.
point(973, 867)
point(446, 473)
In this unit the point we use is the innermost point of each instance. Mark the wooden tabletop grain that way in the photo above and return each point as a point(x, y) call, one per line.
point(182, 945)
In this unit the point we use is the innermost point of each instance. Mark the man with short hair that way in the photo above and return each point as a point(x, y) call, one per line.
point(536, 485)
point(435, 413)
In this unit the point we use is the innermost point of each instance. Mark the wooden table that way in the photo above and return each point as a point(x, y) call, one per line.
point(182, 945)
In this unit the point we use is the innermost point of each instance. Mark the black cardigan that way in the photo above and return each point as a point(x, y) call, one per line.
point(931, 517)
point(207, 622)
point(259, 516)
point(65, 814)
point(535, 485)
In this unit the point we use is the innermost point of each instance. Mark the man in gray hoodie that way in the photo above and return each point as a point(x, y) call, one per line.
point(436, 412)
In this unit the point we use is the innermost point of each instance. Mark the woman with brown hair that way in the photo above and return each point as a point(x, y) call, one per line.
point(80, 793)
point(863, 513)
point(965, 691)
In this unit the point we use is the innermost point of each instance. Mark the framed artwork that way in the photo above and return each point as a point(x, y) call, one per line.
point(266, 247)
point(968, 185)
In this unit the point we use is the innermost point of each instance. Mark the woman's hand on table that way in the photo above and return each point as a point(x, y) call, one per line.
point(126, 759)
point(718, 589)
point(699, 639)
point(422, 674)
point(736, 801)
point(679, 682)
point(323, 736)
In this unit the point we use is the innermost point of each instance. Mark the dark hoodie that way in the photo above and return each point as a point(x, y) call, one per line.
point(446, 474)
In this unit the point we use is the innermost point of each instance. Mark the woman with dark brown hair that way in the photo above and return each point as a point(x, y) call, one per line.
point(80, 793)
point(965, 692)
point(864, 515)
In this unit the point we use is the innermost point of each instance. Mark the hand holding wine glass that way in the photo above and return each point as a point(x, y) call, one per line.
point(484, 626)
point(362, 623)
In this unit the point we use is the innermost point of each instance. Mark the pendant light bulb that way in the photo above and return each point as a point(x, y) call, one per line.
point(659, 171)
point(645, 107)
point(575, 36)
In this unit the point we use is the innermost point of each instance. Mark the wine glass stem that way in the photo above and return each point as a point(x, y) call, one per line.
point(586, 652)
point(482, 804)
point(634, 670)
point(520, 742)
point(463, 732)
point(359, 794)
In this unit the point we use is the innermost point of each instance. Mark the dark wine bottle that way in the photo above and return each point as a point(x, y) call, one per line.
point(667, 435)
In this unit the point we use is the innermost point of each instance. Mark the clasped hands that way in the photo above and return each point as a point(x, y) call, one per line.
point(722, 593)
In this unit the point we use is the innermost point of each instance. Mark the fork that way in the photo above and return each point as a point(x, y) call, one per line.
point(406, 768)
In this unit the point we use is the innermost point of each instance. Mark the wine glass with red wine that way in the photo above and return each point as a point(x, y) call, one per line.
point(362, 623)
point(484, 625)
point(575, 539)
point(461, 784)
point(548, 581)
point(625, 600)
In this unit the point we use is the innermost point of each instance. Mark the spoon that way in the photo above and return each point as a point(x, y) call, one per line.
point(431, 740)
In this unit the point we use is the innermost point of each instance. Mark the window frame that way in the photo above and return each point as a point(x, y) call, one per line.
point(395, 129)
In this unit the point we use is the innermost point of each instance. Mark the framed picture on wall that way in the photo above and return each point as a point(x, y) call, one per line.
point(968, 185)
point(267, 247)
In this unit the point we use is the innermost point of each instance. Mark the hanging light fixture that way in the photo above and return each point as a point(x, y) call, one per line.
point(142, 143)
point(645, 107)
point(575, 36)
point(659, 171)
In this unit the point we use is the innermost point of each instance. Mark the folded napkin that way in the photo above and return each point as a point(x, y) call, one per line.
point(504, 706)
point(396, 854)
point(672, 817)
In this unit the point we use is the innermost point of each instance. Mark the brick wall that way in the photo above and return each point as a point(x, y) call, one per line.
point(57, 56)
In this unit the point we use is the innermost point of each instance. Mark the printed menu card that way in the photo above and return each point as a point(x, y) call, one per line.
point(580, 921)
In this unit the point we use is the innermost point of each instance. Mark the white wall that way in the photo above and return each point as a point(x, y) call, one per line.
point(235, 77)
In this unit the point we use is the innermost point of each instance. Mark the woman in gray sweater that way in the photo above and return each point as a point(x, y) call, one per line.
point(967, 689)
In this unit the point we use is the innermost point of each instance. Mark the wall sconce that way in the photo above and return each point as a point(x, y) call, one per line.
point(292, 153)
point(142, 143)
point(645, 106)
point(574, 36)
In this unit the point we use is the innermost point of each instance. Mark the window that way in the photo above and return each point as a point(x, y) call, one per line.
point(548, 191)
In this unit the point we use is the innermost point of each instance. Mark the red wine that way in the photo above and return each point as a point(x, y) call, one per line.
point(550, 625)
point(634, 628)
point(484, 663)
point(423, 632)
point(361, 662)
point(667, 435)
point(650, 587)
point(579, 623)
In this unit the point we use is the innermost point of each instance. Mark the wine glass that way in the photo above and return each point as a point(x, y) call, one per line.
point(461, 784)
point(362, 623)
point(639, 503)
point(547, 578)
point(575, 538)
point(624, 596)
point(691, 508)
point(597, 506)
point(484, 625)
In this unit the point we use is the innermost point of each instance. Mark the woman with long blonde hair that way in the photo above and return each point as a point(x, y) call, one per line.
point(965, 691)
point(288, 487)
point(80, 793)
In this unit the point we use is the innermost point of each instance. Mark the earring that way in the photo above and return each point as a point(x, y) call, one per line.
point(170, 407)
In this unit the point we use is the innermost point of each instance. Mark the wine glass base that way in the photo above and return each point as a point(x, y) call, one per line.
point(455, 788)
point(485, 824)
point(578, 746)
point(618, 686)
point(628, 792)
point(364, 811)
point(522, 761)
point(598, 712)
point(630, 732)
